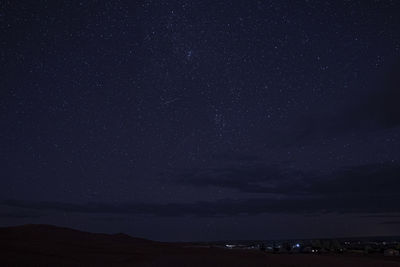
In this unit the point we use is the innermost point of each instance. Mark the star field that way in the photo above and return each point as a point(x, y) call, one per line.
point(191, 120)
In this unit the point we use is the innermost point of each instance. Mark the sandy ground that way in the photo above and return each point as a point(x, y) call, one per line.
point(47, 246)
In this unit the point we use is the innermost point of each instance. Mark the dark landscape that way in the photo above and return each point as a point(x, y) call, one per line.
point(46, 245)
point(200, 133)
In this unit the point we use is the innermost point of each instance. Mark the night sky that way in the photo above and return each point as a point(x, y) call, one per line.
point(201, 120)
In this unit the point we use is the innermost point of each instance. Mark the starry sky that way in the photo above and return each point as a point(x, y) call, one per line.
point(201, 120)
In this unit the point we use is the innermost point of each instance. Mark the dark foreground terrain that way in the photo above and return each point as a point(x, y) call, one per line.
point(44, 245)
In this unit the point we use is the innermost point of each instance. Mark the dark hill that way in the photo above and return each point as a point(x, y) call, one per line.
point(51, 233)
point(50, 245)
point(47, 245)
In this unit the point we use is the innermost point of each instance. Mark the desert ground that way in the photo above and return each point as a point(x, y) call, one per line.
point(43, 245)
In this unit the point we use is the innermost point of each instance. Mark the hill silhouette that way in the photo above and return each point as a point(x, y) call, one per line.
point(51, 245)
point(47, 245)
point(47, 232)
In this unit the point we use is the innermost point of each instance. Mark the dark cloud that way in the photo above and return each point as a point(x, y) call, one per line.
point(227, 207)
point(110, 219)
point(391, 222)
point(377, 109)
point(383, 105)
point(301, 204)
point(361, 189)
point(381, 216)
point(19, 215)
point(254, 178)
point(373, 107)
point(371, 179)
